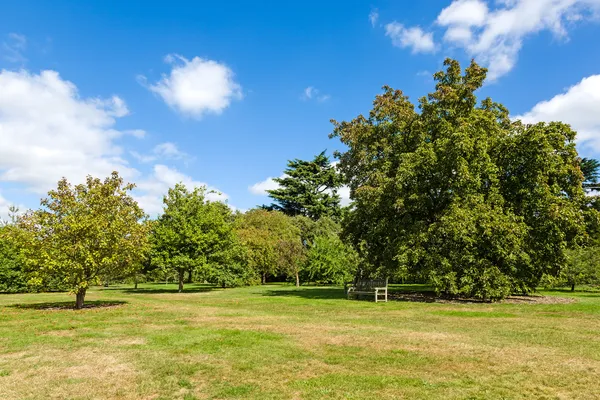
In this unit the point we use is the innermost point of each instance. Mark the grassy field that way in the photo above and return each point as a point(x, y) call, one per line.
point(276, 342)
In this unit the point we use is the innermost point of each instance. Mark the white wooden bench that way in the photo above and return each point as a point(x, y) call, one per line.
point(376, 287)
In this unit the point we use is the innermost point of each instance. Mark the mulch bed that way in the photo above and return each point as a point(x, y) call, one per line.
point(431, 297)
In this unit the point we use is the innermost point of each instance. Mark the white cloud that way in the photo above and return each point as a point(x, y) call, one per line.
point(464, 12)
point(495, 36)
point(374, 17)
point(196, 87)
point(260, 188)
point(344, 193)
point(312, 93)
point(14, 47)
point(162, 151)
point(48, 131)
point(414, 38)
point(150, 192)
point(578, 106)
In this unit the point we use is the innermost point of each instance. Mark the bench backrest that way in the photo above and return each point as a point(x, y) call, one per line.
point(369, 284)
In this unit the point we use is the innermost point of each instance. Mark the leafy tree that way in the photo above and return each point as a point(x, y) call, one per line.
point(272, 242)
point(458, 193)
point(83, 233)
point(192, 234)
point(308, 188)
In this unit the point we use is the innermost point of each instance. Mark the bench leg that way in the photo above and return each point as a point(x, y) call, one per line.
point(376, 294)
point(386, 295)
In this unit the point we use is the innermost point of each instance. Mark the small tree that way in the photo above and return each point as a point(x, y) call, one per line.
point(191, 233)
point(83, 233)
point(308, 188)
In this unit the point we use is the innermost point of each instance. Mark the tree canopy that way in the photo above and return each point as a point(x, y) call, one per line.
point(194, 234)
point(458, 193)
point(82, 234)
point(308, 188)
point(272, 242)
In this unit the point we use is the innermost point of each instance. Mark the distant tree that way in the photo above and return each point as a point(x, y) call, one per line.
point(308, 188)
point(591, 173)
point(83, 233)
point(460, 194)
point(328, 259)
point(582, 267)
point(192, 233)
point(272, 242)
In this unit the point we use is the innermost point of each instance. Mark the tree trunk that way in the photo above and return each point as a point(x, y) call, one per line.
point(181, 271)
point(297, 279)
point(572, 287)
point(264, 278)
point(135, 281)
point(80, 296)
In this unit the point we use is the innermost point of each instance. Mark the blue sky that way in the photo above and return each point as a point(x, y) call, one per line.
point(224, 93)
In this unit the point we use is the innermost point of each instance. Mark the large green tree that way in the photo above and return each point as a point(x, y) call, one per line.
point(308, 188)
point(193, 234)
point(82, 234)
point(460, 194)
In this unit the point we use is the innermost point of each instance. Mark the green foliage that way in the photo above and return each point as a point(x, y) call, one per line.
point(458, 193)
point(83, 234)
point(272, 242)
point(308, 188)
point(590, 169)
point(328, 259)
point(582, 267)
point(196, 234)
point(12, 275)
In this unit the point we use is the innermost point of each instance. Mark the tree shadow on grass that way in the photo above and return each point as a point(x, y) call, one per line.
point(328, 293)
point(68, 305)
point(162, 288)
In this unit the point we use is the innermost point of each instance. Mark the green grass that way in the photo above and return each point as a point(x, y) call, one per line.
point(276, 342)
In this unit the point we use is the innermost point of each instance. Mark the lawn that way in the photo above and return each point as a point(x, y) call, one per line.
point(276, 342)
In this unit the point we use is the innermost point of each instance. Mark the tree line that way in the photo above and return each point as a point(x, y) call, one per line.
point(452, 192)
point(96, 232)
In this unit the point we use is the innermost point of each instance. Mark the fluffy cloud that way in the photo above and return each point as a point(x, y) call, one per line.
point(196, 87)
point(48, 131)
point(578, 106)
point(150, 192)
point(495, 36)
point(312, 93)
point(414, 38)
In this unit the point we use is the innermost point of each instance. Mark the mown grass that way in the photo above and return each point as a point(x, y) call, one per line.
point(276, 342)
